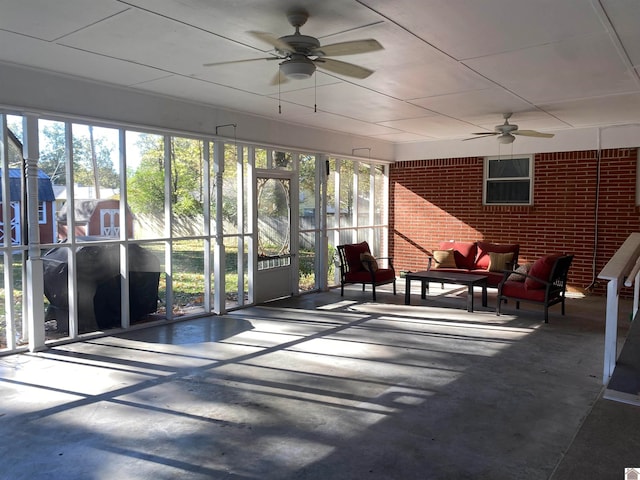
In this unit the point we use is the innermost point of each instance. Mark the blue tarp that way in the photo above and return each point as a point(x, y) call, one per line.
point(45, 189)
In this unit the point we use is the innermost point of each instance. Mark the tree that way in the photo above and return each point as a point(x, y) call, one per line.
point(146, 184)
point(86, 157)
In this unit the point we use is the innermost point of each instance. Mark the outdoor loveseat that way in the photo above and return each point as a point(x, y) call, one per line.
point(480, 258)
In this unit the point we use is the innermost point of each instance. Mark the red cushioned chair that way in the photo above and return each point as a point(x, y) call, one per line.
point(546, 284)
point(357, 265)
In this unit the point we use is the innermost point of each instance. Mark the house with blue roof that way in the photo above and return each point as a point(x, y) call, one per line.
point(17, 199)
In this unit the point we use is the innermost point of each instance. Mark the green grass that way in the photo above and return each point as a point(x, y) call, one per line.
point(188, 277)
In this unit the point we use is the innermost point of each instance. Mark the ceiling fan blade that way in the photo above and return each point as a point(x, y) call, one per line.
point(273, 41)
point(480, 135)
point(279, 78)
point(485, 133)
point(348, 48)
point(239, 61)
point(533, 133)
point(343, 68)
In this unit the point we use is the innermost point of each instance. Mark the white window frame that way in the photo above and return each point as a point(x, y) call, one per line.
point(42, 213)
point(486, 179)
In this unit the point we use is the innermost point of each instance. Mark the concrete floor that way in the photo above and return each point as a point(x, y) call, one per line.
point(322, 387)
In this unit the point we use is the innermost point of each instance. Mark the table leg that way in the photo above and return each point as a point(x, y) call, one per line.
point(484, 294)
point(424, 288)
point(470, 298)
point(407, 291)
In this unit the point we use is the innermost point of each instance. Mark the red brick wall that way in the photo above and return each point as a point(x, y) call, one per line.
point(438, 200)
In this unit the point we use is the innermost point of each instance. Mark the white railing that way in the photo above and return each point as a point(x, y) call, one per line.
point(622, 269)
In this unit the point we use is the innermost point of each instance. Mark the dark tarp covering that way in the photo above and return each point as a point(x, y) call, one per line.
point(98, 274)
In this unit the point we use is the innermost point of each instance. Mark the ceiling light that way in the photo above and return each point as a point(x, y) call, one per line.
point(298, 68)
point(506, 138)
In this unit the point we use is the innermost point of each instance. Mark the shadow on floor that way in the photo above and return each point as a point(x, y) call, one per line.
point(323, 386)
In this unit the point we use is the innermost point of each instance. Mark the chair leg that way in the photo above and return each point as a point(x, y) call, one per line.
point(373, 288)
point(498, 303)
point(342, 289)
point(394, 286)
point(517, 305)
point(546, 314)
point(562, 303)
point(363, 287)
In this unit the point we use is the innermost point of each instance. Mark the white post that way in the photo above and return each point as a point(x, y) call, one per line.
point(7, 219)
point(322, 261)
point(206, 181)
point(123, 234)
point(219, 296)
point(34, 286)
point(611, 331)
point(636, 295)
point(240, 195)
point(168, 231)
point(72, 264)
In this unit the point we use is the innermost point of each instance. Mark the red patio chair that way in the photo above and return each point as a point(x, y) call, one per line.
point(545, 284)
point(357, 265)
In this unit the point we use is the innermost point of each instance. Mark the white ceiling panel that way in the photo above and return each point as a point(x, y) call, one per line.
point(401, 137)
point(176, 47)
point(350, 101)
point(200, 91)
point(448, 67)
point(616, 110)
point(624, 16)
point(57, 58)
point(231, 19)
point(49, 20)
point(334, 122)
point(581, 67)
point(419, 80)
point(470, 28)
point(475, 106)
point(435, 126)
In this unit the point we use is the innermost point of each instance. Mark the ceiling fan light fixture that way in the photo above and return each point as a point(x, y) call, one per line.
point(506, 138)
point(298, 68)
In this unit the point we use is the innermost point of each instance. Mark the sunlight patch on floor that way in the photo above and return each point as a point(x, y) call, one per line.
point(337, 305)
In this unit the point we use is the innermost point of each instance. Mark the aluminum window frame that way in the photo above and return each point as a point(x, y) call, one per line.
point(486, 180)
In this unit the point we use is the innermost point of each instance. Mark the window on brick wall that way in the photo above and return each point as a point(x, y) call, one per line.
point(508, 181)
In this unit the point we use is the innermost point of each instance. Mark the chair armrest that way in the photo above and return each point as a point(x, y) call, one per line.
point(388, 259)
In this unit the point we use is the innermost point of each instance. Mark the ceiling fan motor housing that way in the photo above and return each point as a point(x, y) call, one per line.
point(506, 128)
point(303, 44)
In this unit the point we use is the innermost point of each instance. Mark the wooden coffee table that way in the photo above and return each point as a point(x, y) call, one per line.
point(468, 279)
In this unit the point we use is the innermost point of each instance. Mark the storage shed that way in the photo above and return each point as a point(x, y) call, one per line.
point(46, 207)
point(94, 217)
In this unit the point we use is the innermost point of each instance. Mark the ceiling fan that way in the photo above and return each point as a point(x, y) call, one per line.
point(505, 132)
point(301, 54)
